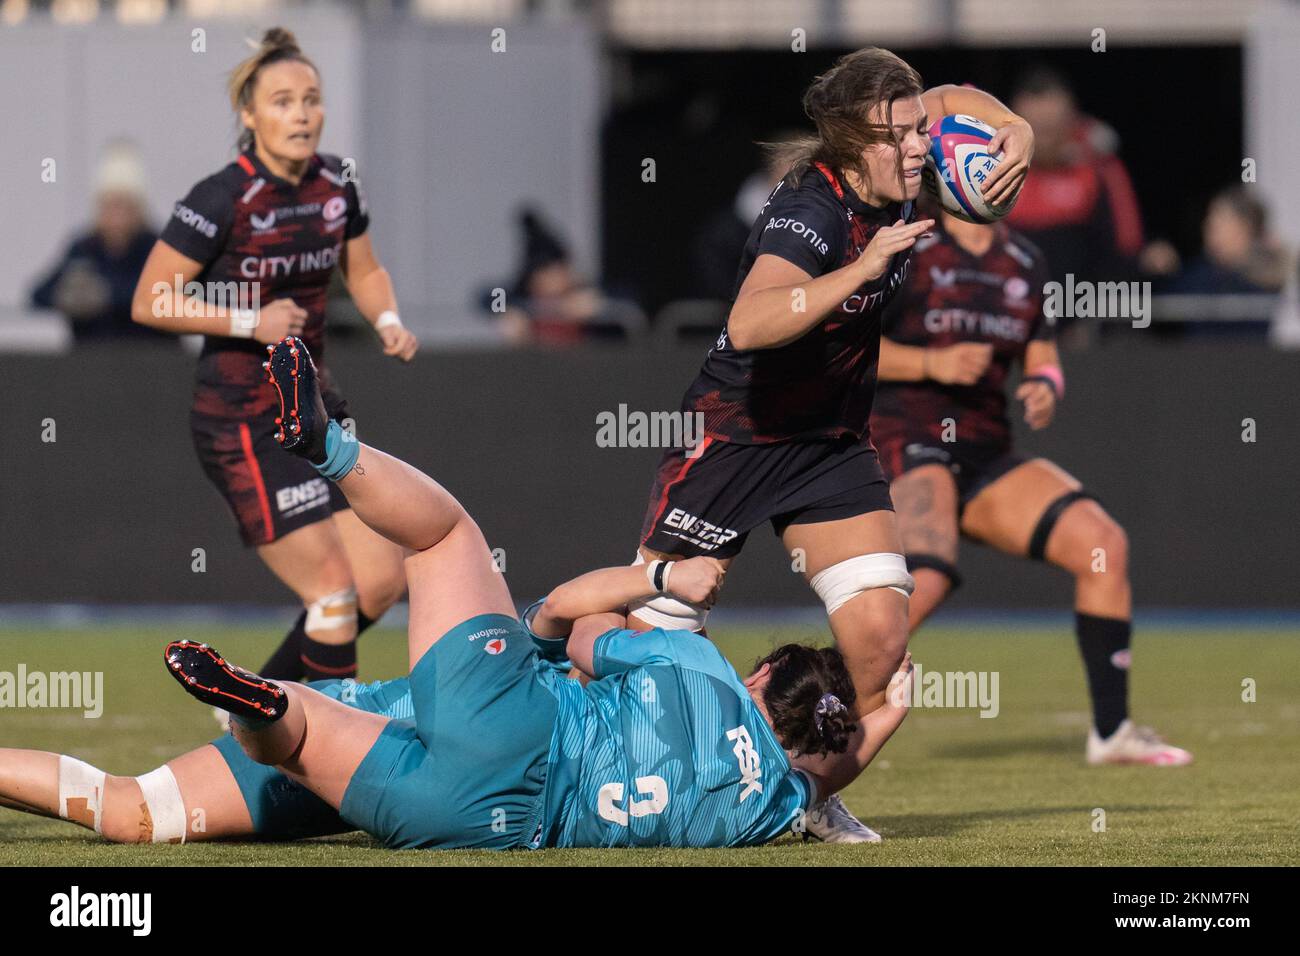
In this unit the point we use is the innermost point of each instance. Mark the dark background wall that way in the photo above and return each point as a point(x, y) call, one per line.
point(699, 113)
point(112, 510)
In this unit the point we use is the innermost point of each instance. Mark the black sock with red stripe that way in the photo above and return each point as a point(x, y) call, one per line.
point(328, 661)
point(287, 664)
point(1104, 645)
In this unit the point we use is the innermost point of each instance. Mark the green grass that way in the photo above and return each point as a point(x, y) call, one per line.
point(951, 788)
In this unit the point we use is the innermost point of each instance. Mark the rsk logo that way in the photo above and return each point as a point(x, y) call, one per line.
point(748, 760)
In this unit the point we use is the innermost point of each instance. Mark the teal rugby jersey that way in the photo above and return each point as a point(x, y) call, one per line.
point(666, 748)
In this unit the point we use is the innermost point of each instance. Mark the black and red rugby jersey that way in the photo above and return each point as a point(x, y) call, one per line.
point(247, 225)
point(821, 385)
point(954, 296)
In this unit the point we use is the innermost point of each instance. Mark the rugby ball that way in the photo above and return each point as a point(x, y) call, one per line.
point(958, 164)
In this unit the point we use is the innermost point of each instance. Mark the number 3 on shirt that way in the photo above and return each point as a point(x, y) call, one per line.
point(611, 795)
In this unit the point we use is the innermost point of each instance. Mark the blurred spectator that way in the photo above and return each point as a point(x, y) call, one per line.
point(550, 303)
point(94, 281)
point(1078, 203)
point(718, 246)
point(1239, 255)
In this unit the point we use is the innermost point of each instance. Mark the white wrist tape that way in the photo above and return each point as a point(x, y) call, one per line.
point(332, 611)
point(386, 319)
point(162, 795)
point(667, 612)
point(841, 583)
point(242, 323)
point(81, 793)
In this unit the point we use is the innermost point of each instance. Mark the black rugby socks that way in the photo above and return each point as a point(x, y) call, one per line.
point(328, 661)
point(1104, 645)
point(287, 661)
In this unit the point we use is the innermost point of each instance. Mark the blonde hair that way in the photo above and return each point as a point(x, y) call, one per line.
point(839, 102)
point(278, 45)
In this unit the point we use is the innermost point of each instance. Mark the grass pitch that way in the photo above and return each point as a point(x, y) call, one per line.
point(950, 789)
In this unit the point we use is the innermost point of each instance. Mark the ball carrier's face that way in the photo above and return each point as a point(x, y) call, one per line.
point(286, 113)
point(909, 123)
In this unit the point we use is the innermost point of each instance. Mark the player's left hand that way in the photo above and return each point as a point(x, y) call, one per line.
point(1015, 142)
point(1040, 403)
point(399, 341)
point(898, 696)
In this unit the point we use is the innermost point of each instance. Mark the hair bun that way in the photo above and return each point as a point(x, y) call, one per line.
point(278, 38)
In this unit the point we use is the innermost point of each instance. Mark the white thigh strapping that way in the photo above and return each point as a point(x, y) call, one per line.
point(840, 583)
point(81, 792)
point(166, 808)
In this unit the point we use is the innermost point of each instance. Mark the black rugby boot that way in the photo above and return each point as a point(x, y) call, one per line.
point(209, 677)
point(302, 419)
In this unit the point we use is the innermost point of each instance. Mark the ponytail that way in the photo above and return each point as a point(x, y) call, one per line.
point(809, 697)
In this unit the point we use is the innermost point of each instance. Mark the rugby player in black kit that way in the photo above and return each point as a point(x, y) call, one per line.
point(786, 392)
point(273, 225)
point(972, 309)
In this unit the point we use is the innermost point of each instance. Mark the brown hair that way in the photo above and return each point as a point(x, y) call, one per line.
point(809, 699)
point(277, 46)
point(839, 102)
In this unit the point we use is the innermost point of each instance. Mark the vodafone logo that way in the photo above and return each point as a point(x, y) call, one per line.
point(496, 639)
point(334, 208)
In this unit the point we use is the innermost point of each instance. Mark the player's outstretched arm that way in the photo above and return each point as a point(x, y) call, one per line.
point(694, 580)
point(834, 772)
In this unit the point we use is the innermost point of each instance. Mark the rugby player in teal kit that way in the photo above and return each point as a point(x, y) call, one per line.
point(667, 746)
point(487, 743)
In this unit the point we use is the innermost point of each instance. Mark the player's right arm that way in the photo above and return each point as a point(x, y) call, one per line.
point(780, 302)
point(960, 364)
point(157, 304)
point(796, 279)
point(192, 238)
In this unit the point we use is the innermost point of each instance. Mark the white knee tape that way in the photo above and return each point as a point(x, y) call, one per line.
point(332, 611)
point(81, 792)
point(162, 795)
point(840, 583)
point(666, 612)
